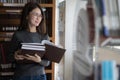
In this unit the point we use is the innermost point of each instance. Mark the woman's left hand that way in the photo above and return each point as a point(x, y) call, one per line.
point(35, 58)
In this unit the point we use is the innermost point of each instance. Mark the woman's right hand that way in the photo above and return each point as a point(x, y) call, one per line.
point(18, 56)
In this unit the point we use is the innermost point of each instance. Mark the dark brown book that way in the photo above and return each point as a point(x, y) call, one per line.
point(53, 53)
point(32, 52)
point(31, 49)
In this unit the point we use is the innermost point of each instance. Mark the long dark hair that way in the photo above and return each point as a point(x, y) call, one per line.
point(25, 12)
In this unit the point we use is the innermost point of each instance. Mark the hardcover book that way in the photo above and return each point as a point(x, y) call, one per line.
point(46, 50)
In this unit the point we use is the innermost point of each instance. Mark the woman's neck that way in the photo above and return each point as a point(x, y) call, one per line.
point(32, 29)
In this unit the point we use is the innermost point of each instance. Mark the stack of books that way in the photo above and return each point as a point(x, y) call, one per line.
point(46, 50)
point(33, 48)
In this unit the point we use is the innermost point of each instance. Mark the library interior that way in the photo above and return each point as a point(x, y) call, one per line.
point(86, 32)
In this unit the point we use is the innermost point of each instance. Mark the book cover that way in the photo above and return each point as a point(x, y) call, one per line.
point(53, 53)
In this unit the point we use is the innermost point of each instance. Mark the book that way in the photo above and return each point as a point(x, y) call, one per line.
point(46, 50)
point(32, 49)
point(53, 53)
point(108, 70)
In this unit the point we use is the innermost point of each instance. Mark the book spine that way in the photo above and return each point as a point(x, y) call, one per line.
point(118, 4)
point(105, 17)
point(3, 54)
point(114, 18)
point(108, 70)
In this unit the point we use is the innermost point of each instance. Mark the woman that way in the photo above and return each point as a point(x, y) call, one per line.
point(32, 30)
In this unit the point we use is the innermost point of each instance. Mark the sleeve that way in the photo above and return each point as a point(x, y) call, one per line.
point(45, 37)
point(45, 62)
point(15, 45)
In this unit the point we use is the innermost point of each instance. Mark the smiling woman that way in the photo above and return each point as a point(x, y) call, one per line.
point(34, 18)
point(31, 30)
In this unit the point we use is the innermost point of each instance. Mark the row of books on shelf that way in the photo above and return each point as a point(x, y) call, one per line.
point(5, 39)
point(109, 11)
point(11, 77)
point(6, 34)
point(16, 13)
point(25, 1)
point(8, 28)
point(11, 14)
point(7, 69)
point(7, 31)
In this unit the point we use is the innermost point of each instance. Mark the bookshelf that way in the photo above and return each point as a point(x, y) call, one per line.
point(106, 25)
point(9, 22)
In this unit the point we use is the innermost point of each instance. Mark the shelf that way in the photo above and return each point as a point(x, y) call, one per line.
point(48, 71)
point(22, 4)
point(12, 73)
point(11, 4)
point(5, 39)
point(47, 5)
point(9, 21)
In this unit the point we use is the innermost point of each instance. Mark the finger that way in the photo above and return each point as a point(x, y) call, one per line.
point(15, 55)
point(36, 55)
point(38, 58)
point(19, 57)
point(28, 55)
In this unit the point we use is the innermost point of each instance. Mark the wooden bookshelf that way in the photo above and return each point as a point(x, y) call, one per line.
point(9, 24)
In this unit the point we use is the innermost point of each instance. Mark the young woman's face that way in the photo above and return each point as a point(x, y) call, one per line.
point(34, 17)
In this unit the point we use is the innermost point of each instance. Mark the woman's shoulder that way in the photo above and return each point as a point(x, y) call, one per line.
point(23, 32)
point(20, 32)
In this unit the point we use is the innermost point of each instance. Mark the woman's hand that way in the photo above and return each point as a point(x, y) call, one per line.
point(35, 58)
point(17, 56)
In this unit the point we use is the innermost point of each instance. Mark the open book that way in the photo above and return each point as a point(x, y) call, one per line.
point(45, 49)
point(53, 53)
